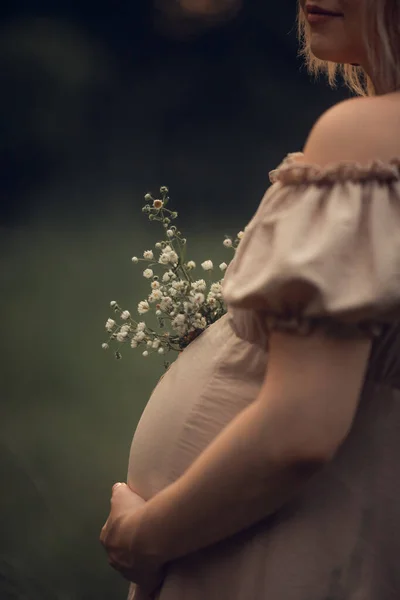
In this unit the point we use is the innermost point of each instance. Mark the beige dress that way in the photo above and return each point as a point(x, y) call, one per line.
point(323, 250)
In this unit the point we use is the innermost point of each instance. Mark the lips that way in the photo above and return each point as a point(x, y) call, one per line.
point(312, 9)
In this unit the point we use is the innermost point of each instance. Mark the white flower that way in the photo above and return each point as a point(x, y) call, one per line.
point(155, 295)
point(156, 344)
point(199, 298)
point(180, 328)
point(143, 307)
point(158, 203)
point(216, 288)
point(145, 353)
point(149, 343)
point(135, 259)
point(223, 266)
point(140, 336)
point(179, 285)
point(211, 301)
point(148, 254)
point(133, 343)
point(141, 326)
point(199, 285)
point(158, 313)
point(125, 315)
point(158, 245)
point(187, 307)
point(165, 303)
point(125, 328)
point(240, 235)
point(207, 265)
point(113, 303)
point(170, 233)
point(166, 277)
point(161, 351)
point(227, 243)
point(148, 273)
point(191, 264)
point(155, 285)
point(121, 335)
point(164, 259)
point(180, 319)
point(105, 346)
point(168, 255)
point(200, 323)
point(110, 324)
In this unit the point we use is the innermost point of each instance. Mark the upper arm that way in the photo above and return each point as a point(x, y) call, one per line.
point(313, 383)
point(311, 392)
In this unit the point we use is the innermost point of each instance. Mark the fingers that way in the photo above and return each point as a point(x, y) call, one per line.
point(104, 528)
point(118, 494)
point(122, 500)
point(118, 488)
point(123, 497)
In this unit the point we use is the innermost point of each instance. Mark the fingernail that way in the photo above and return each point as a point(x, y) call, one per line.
point(116, 485)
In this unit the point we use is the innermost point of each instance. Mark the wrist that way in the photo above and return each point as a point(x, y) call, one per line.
point(144, 543)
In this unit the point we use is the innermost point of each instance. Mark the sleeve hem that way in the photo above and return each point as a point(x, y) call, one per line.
point(332, 327)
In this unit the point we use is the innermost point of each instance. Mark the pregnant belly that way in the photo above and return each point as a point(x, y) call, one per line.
point(214, 379)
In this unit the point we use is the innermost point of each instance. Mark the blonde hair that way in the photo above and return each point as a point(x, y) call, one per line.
point(381, 24)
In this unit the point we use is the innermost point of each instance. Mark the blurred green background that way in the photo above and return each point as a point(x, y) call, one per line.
point(101, 104)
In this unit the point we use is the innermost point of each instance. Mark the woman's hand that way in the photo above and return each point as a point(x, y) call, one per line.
point(118, 536)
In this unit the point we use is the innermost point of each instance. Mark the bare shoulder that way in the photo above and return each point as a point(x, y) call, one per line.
point(358, 129)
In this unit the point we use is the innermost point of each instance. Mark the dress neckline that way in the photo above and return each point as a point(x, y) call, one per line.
point(293, 170)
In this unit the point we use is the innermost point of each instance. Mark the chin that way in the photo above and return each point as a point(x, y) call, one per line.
point(323, 50)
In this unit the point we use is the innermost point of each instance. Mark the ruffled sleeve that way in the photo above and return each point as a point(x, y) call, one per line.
point(322, 251)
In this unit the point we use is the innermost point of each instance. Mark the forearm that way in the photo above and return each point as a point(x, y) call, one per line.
point(232, 485)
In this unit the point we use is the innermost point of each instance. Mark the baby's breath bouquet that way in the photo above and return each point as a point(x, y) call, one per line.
point(180, 305)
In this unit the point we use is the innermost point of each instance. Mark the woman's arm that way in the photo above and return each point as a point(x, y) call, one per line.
point(266, 454)
point(303, 413)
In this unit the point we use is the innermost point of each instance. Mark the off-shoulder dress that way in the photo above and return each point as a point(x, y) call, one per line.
point(322, 251)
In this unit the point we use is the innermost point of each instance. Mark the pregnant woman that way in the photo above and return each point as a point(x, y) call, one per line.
point(266, 463)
